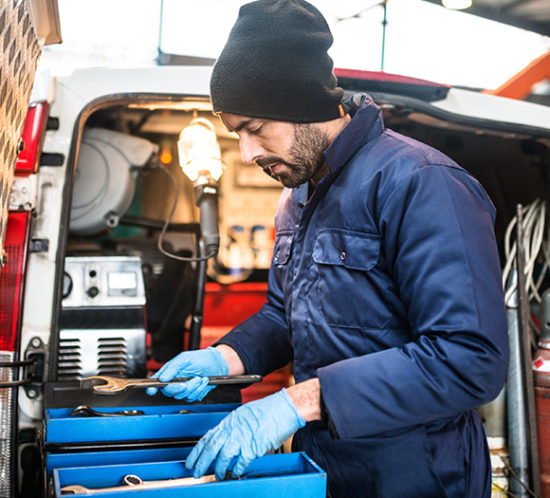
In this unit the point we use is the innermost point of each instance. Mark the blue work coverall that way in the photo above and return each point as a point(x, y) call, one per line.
point(386, 284)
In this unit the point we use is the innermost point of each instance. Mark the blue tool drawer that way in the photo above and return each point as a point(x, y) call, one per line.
point(157, 423)
point(272, 476)
point(110, 457)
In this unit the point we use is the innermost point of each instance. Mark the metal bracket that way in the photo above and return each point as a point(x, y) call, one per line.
point(39, 245)
point(36, 350)
point(51, 159)
point(52, 123)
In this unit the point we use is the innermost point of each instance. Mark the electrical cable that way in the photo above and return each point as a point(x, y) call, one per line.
point(513, 473)
point(22, 363)
point(535, 259)
point(533, 228)
point(214, 270)
point(15, 383)
point(169, 220)
point(536, 226)
point(535, 246)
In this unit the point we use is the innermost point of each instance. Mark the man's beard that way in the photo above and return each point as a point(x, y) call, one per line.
point(305, 156)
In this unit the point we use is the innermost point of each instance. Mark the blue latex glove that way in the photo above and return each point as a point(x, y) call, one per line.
point(200, 364)
point(248, 432)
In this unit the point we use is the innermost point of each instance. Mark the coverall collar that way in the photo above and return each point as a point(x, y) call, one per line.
point(366, 124)
point(366, 116)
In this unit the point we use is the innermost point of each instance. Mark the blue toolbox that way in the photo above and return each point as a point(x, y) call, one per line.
point(154, 433)
point(82, 428)
point(95, 442)
point(78, 423)
point(272, 476)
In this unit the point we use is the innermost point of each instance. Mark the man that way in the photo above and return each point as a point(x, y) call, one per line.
point(384, 289)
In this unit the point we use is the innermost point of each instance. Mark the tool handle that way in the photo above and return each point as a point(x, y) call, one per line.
point(102, 384)
point(219, 380)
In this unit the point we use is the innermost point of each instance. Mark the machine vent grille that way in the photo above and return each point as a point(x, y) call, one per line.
point(69, 363)
point(113, 352)
point(112, 356)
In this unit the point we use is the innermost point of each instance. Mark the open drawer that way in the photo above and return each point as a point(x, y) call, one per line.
point(286, 474)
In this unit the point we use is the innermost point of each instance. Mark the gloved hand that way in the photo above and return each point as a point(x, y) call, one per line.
point(250, 431)
point(200, 364)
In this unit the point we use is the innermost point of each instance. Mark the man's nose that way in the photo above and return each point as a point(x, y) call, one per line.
point(251, 150)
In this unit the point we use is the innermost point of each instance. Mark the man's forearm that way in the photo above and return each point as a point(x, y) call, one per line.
point(236, 365)
point(306, 397)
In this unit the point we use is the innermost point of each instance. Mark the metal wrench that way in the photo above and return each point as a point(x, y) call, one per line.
point(135, 483)
point(103, 384)
point(88, 411)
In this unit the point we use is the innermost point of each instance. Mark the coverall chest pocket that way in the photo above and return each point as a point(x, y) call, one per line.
point(348, 291)
point(282, 247)
point(281, 259)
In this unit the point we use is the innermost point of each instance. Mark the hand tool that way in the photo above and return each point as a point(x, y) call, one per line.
point(103, 384)
point(87, 411)
point(135, 483)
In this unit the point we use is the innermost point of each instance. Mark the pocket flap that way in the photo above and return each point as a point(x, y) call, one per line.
point(283, 244)
point(354, 250)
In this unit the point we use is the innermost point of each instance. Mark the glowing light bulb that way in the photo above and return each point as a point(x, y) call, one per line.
point(199, 151)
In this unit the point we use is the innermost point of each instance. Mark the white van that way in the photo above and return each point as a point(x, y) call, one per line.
point(85, 290)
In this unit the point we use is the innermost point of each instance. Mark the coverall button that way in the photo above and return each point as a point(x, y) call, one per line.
point(343, 255)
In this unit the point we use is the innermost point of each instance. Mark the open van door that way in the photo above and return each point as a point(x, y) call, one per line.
point(25, 27)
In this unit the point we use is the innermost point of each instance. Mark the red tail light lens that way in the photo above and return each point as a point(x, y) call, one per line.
point(12, 278)
point(385, 77)
point(33, 131)
point(378, 81)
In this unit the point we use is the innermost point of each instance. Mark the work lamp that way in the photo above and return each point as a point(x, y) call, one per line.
point(200, 159)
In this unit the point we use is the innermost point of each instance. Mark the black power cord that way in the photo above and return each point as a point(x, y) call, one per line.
point(211, 253)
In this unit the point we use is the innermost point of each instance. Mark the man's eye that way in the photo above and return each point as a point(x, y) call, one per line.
point(256, 131)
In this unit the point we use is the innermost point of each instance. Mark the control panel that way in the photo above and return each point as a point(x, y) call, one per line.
point(103, 281)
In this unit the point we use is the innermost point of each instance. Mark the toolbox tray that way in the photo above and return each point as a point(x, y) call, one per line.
point(157, 423)
point(104, 457)
point(160, 421)
point(271, 476)
point(69, 394)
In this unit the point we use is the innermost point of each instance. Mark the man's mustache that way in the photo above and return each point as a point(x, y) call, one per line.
point(265, 162)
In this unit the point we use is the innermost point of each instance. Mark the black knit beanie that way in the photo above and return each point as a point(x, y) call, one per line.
point(275, 65)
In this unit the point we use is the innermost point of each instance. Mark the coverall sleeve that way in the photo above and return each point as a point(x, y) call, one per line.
point(440, 248)
point(262, 341)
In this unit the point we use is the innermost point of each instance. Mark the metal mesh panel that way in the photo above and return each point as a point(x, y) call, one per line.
point(6, 427)
point(19, 52)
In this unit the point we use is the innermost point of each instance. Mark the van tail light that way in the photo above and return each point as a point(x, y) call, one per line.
point(379, 81)
point(12, 279)
point(11, 307)
point(31, 137)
